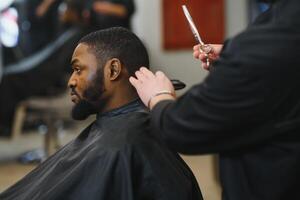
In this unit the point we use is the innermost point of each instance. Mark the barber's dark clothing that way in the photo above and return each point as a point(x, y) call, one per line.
point(116, 158)
point(247, 110)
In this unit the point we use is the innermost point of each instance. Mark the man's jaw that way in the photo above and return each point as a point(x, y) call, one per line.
point(82, 110)
point(82, 106)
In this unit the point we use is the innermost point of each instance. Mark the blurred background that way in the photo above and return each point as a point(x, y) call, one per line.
point(37, 38)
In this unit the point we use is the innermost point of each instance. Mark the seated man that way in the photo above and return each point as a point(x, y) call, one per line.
point(117, 156)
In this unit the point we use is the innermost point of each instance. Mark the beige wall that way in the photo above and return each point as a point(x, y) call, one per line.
point(181, 65)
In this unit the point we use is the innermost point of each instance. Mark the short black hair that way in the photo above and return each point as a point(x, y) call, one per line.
point(121, 43)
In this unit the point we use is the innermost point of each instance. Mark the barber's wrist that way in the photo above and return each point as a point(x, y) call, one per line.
point(156, 99)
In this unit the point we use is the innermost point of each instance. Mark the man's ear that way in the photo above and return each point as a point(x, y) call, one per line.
point(114, 68)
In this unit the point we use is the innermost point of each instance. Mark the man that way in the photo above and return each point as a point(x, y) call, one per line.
point(247, 109)
point(117, 156)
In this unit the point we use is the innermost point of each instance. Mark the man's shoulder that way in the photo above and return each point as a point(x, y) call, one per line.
point(127, 123)
point(137, 129)
point(125, 130)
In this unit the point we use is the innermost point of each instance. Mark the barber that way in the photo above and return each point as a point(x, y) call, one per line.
point(247, 109)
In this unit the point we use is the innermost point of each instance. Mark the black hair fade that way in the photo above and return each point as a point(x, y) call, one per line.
point(118, 42)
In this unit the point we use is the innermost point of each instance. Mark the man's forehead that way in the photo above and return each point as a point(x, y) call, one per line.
point(83, 51)
point(81, 48)
point(84, 57)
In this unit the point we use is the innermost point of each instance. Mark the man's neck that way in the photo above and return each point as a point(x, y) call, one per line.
point(119, 99)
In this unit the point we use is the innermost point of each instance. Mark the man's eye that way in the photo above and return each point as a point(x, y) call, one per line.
point(77, 70)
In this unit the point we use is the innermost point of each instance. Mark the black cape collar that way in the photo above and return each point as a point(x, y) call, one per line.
point(133, 106)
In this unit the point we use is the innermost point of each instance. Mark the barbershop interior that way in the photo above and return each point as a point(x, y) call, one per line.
point(37, 43)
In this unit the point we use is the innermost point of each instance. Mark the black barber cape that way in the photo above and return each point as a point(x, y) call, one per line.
point(247, 110)
point(115, 158)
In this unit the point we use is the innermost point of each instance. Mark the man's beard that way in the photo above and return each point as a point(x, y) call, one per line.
point(91, 103)
point(82, 110)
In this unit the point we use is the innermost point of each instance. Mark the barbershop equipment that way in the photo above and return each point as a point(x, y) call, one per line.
point(203, 47)
point(178, 85)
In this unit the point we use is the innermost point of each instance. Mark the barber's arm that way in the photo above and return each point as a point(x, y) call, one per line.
point(210, 117)
point(224, 111)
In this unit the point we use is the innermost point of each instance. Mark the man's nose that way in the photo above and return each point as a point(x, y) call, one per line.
point(71, 82)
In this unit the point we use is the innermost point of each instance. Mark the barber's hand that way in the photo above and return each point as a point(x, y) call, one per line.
point(214, 55)
point(152, 88)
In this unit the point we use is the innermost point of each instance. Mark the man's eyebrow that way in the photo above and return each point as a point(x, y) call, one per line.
point(74, 61)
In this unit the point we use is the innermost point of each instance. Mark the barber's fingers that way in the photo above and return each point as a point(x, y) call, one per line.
point(205, 66)
point(146, 72)
point(196, 52)
point(196, 47)
point(203, 57)
point(196, 55)
point(160, 74)
point(140, 76)
point(135, 82)
point(200, 55)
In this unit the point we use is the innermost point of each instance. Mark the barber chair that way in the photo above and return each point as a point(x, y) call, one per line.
point(53, 111)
